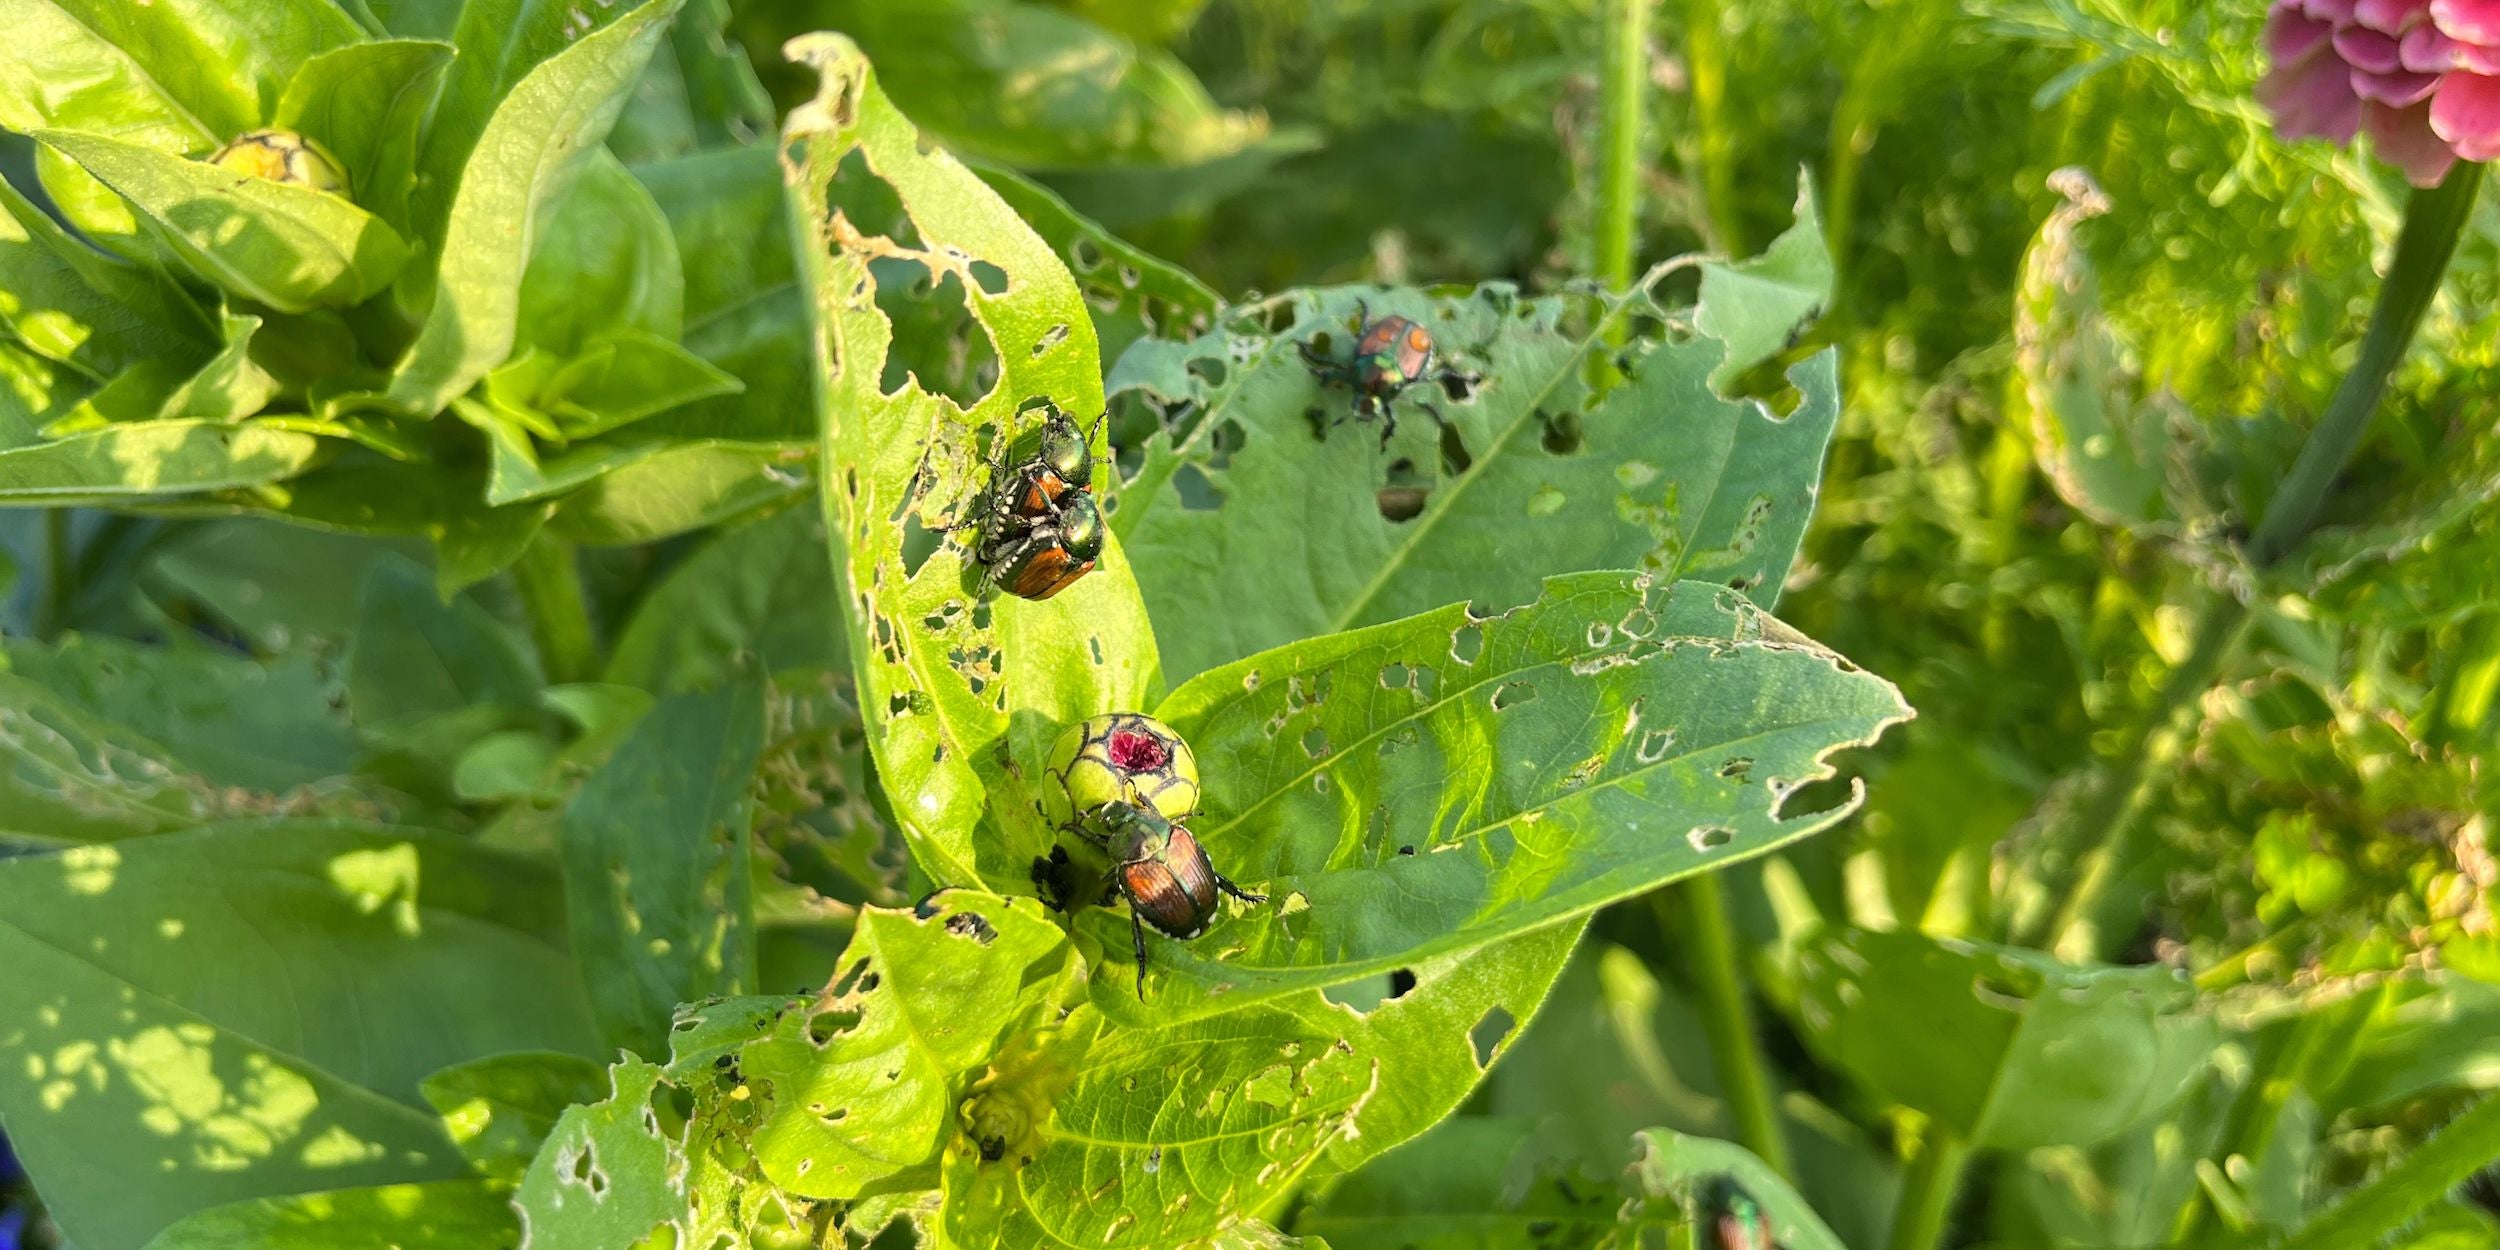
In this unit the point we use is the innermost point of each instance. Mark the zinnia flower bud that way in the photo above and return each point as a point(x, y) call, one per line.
point(2421, 76)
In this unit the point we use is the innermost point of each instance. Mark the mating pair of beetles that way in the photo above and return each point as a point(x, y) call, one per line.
point(1130, 782)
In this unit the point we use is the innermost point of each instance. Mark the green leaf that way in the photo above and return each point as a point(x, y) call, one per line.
point(657, 864)
point(237, 722)
point(512, 166)
point(2100, 443)
point(757, 599)
point(1474, 1183)
point(57, 73)
point(744, 309)
point(604, 1177)
point(501, 1108)
point(1135, 294)
point(274, 586)
point(1437, 783)
point(436, 1215)
point(230, 387)
point(615, 380)
point(292, 248)
point(72, 304)
point(965, 698)
point(1037, 88)
point(607, 265)
point(678, 488)
point(1153, 1137)
point(2007, 1048)
point(226, 60)
point(366, 103)
point(1658, 473)
point(416, 657)
point(865, 1083)
point(349, 962)
point(1757, 306)
point(1671, 1174)
point(154, 458)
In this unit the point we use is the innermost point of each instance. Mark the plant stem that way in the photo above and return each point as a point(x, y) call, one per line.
point(2433, 222)
point(1625, 94)
point(1918, 1222)
point(2368, 1214)
point(60, 573)
point(1705, 58)
point(1727, 1014)
point(551, 592)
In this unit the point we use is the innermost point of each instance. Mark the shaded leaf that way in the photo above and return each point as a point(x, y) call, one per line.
point(56, 72)
point(2006, 1048)
point(606, 263)
point(964, 697)
point(435, 1215)
point(72, 304)
point(657, 864)
point(292, 248)
point(744, 310)
point(757, 598)
point(1671, 1175)
point(1474, 1183)
point(151, 459)
point(365, 103)
point(416, 657)
point(237, 722)
point(1440, 782)
point(501, 1108)
point(351, 961)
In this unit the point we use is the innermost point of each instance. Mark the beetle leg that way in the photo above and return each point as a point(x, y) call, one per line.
point(1137, 936)
point(1388, 425)
point(1225, 884)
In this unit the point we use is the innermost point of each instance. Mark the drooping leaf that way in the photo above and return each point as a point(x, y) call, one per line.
point(1037, 88)
point(520, 159)
point(226, 60)
point(965, 696)
point(292, 248)
point(2006, 1048)
point(1756, 306)
point(433, 1215)
point(1439, 782)
point(500, 1109)
point(153, 458)
point(657, 863)
point(365, 103)
point(350, 961)
point(757, 598)
point(1153, 1137)
point(1659, 472)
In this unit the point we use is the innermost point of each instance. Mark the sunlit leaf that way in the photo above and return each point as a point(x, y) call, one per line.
point(435, 1215)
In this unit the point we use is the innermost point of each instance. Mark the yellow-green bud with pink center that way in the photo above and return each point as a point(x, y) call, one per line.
point(282, 156)
point(1122, 757)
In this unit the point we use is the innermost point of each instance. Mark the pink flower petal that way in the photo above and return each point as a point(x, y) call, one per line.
point(2367, 50)
point(2393, 17)
point(2480, 58)
point(2336, 11)
point(2312, 100)
point(2468, 21)
point(2466, 113)
point(2292, 37)
point(2396, 90)
point(2403, 138)
point(2425, 51)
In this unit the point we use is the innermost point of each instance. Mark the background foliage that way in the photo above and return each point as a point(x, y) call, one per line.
point(485, 690)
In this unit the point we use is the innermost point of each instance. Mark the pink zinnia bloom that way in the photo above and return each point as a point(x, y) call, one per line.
point(2421, 76)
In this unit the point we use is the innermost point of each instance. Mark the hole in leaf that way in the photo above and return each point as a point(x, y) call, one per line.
point(1454, 457)
point(936, 339)
point(1315, 742)
point(1562, 434)
point(1196, 492)
point(919, 543)
point(1490, 1031)
point(1710, 837)
point(869, 203)
point(1466, 643)
point(1511, 694)
point(825, 1026)
point(1207, 369)
point(971, 925)
point(1737, 768)
point(850, 977)
point(1400, 981)
point(1051, 338)
point(993, 279)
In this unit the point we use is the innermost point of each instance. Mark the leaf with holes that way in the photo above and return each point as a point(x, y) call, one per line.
point(2009, 1049)
point(1443, 781)
point(964, 695)
point(1266, 513)
point(501, 1108)
point(1153, 1137)
point(864, 1085)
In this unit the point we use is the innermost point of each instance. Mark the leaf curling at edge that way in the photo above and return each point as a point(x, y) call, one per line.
point(964, 696)
point(1450, 779)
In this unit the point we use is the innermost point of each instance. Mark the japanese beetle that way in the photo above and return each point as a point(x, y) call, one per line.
point(1736, 1221)
point(282, 156)
point(1063, 462)
point(1123, 757)
point(1035, 559)
point(1390, 355)
point(1161, 870)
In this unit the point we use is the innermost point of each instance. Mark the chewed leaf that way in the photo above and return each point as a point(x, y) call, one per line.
point(1653, 469)
point(1442, 781)
point(963, 694)
point(1131, 1139)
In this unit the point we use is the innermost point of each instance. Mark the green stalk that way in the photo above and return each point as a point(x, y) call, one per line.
point(1705, 58)
point(2366, 1215)
point(1726, 1014)
point(551, 592)
point(1625, 93)
point(2434, 220)
point(60, 574)
point(1935, 1171)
